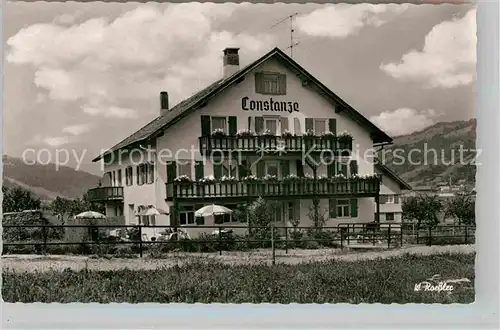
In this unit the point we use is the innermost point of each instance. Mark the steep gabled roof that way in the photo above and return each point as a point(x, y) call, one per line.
point(198, 100)
point(387, 171)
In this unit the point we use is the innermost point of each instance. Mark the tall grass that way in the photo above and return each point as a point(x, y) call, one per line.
point(371, 281)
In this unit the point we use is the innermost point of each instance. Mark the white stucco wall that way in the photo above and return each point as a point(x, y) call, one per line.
point(390, 187)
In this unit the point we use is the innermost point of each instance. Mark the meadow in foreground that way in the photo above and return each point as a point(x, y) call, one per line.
point(371, 281)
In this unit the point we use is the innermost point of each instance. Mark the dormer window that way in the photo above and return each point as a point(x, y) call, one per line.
point(270, 83)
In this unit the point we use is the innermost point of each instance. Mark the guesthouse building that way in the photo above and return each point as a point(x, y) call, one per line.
point(269, 129)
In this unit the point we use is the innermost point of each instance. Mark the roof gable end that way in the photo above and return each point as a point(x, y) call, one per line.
point(199, 99)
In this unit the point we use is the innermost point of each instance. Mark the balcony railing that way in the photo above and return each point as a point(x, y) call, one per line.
point(301, 188)
point(102, 194)
point(340, 145)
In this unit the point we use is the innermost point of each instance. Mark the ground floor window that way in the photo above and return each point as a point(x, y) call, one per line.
point(343, 207)
point(186, 215)
point(389, 216)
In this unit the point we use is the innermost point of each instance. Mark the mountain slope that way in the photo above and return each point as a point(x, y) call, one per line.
point(440, 152)
point(47, 181)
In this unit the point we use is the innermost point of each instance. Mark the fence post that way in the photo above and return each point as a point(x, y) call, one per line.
point(220, 241)
point(272, 244)
point(341, 238)
point(140, 241)
point(348, 235)
point(286, 239)
point(430, 236)
point(389, 237)
point(466, 234)
point(401, 236)
point(44, 233)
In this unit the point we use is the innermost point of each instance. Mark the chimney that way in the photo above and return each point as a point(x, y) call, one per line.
point(163, 102)
point(231, 61)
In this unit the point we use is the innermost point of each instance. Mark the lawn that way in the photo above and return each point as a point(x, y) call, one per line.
point(389, 280)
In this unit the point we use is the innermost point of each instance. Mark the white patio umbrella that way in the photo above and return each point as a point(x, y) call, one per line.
point(155, 211)
point(212, 210)
point(90, 215)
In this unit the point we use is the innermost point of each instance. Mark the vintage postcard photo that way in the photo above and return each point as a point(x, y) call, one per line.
point(239, 153)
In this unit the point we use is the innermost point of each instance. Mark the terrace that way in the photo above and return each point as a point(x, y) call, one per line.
point(102, 194)
point(300, 188)
point(339, 145)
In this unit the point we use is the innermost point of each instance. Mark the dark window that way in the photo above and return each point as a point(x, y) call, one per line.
point(272, 83)
point(128, 176)
point(389, 216)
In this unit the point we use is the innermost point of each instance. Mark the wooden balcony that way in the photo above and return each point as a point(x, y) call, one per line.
point(339, 145)
point(103, 194)
point(303, 188)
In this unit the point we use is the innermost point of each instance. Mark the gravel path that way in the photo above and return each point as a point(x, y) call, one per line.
point(30, 263)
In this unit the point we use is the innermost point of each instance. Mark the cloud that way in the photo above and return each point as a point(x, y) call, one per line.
point(448, 57)
point(404, 120)
point(77, 129)
point(52, 141)
point(110, 112)
point(67, 19)
point(342, 20)
point(111, 66)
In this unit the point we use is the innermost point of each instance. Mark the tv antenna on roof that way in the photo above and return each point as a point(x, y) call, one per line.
point(293, 43)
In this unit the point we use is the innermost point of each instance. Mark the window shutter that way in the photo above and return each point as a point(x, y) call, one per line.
point(282, 84)
point(261, 169)
point(342, 169)
point(242, 169)
point(330, 169)
point(309, 124)
point(300, 168)
point(285, 168)
point(259, 125)
point(332, 125)
point(296, 128)
point(354, 207)
point(217, 171)
point(138, 174)
point(258, 82)
point(383, 199)
point(198, 170)
point(353, 167)
point(250, 123)
point(332, 208)
point(205, 126)
point(284, 124)
point(396, 199)
point(296, 210)
point(232, 125)
point(171, 171)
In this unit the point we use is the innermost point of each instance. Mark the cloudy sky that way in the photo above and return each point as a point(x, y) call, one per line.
point(84, 76)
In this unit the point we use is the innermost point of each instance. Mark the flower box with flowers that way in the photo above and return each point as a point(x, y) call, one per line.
point(183, 179)
point(245, 139)
point(228, 179)
point(268, 133)
point(344, 140)
point(286, 134)
point(218, 132)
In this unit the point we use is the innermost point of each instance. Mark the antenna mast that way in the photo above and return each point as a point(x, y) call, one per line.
point(293, 44)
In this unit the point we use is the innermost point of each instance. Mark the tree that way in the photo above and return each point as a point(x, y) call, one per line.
point(18, 199)
point(423, 209)
point(67, 207)
point(463, 209)
point(261, 215)
point(317, 215)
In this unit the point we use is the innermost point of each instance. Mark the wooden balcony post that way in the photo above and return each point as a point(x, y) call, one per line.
point(377, 205)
